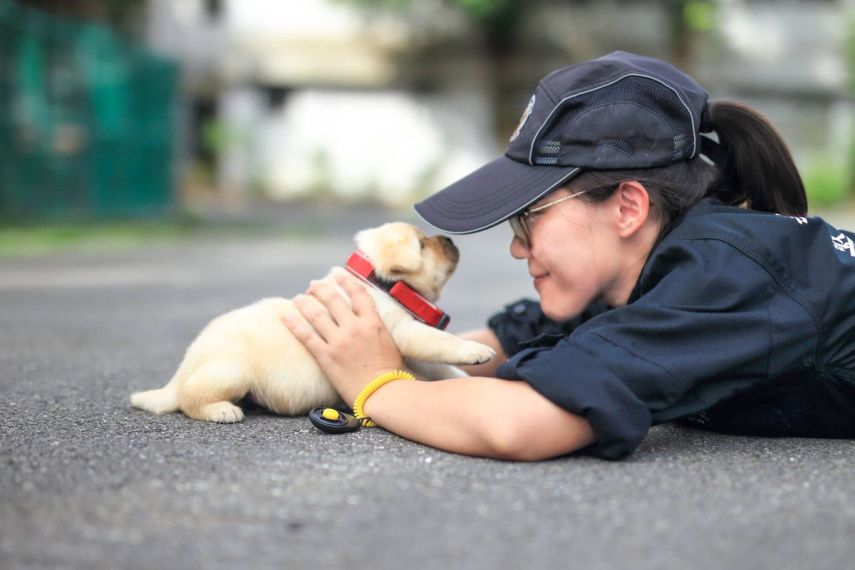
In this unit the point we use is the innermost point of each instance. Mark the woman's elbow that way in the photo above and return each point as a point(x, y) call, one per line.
point(517, 443)
point(529, 439)
point(514, 451)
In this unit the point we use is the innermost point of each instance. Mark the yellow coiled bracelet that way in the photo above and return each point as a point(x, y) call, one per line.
point(372, 387)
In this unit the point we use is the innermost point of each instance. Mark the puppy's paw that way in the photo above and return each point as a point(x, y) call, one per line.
point(222, 412)
point(474, 353)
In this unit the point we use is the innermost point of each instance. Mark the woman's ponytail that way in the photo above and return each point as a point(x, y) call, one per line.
point(757, 169)
point(753, 167)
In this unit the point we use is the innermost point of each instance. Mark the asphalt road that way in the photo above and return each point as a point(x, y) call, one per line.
point(88, 482)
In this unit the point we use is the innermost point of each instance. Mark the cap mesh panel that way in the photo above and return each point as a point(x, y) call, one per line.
point(648, 93)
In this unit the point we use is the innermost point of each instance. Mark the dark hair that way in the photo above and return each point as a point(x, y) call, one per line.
point(755, 170)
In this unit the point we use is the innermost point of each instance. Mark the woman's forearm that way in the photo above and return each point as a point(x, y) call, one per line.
point(479, 416)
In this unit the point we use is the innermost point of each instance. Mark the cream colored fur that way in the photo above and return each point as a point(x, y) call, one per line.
point(250, 352)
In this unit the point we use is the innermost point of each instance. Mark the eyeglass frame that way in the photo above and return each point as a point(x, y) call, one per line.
point(519, 225)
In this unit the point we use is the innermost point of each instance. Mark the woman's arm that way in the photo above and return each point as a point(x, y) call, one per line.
point(475, 416)
point(486, 417)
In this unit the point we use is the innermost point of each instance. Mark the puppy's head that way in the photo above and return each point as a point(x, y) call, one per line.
point(400, 252)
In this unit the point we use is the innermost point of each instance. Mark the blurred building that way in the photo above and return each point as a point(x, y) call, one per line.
point(295, 98)
point(292, 98)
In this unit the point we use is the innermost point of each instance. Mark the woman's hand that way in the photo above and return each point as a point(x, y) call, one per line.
point(349, 341)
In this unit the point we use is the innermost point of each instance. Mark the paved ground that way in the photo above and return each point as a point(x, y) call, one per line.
point(88, 482)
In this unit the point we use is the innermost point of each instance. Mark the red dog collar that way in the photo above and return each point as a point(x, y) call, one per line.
point(407, 297)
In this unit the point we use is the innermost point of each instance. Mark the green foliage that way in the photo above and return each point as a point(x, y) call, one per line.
point(487, 10)
point(21, 240)
point(35, 239)
point(699, 15)
point(216, 136)
point(826, 181)
point(478, 10)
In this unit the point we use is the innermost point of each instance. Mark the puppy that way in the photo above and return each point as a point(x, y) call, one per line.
point(249, 352)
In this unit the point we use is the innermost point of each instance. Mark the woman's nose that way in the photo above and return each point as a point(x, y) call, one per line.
point(518, 250)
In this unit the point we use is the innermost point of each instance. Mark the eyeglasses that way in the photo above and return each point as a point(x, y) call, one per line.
point(520, 222)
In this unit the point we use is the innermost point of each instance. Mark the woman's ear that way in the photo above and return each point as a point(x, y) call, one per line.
point(633, 207)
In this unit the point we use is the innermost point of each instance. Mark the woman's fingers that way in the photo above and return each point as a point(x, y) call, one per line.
point(331, 298)
point(317, 315)
point(360, 301)
point(306, 334)
point(330, 317)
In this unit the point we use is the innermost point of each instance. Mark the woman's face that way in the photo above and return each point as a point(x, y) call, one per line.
point(573, 253)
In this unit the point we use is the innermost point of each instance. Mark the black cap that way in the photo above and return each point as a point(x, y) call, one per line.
point(619, 111)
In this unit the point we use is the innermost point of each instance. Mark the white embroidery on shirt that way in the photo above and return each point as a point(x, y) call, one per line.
point(802, 221)
point(843, 242)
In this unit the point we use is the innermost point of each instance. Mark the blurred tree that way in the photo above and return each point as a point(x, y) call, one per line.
point(688, 18)
point(498, 22)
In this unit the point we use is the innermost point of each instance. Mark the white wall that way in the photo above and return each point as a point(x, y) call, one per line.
point(389, 145)
point(344, 127)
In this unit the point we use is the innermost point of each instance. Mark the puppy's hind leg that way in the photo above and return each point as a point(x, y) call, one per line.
point(208, 392)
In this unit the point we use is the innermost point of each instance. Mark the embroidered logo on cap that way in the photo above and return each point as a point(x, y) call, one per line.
point(524, 117)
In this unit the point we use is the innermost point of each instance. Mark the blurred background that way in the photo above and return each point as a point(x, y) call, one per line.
point(163, 109)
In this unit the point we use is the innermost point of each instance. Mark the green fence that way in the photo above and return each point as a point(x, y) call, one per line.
point(87, 122)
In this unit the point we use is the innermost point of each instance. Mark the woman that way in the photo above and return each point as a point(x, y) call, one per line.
point(669, 288)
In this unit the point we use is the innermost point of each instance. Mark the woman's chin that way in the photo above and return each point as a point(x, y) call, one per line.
point(561, 310)
point(558, 313)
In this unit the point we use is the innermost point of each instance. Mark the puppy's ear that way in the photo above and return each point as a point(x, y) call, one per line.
point(364, 238)
point(394, 249)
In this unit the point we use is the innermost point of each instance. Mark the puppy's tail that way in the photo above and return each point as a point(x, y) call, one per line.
point(162, 400)
point(159, 401)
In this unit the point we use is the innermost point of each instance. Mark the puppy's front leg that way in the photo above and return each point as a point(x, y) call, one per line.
point(421, 342)
point(433, 370)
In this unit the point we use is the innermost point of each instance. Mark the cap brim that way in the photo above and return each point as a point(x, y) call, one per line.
point(490, 195)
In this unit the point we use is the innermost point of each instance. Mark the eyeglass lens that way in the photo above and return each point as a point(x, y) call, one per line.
point(520, 229)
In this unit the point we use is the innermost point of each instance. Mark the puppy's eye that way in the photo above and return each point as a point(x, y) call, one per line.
point(422, 243)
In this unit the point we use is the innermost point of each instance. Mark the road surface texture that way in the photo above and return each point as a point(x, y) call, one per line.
point(88, 482)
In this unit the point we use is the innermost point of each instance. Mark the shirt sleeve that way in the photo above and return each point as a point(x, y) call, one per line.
point(523, 321)
point(697, 332)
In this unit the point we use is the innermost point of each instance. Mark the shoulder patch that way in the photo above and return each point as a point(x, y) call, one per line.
point(842, 242)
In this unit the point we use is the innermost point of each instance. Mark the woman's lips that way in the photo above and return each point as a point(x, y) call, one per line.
point(540, 279)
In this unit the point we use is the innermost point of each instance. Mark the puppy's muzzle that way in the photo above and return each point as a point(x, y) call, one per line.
point(449, 249)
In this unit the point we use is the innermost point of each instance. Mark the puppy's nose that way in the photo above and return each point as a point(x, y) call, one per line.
point(449, 248)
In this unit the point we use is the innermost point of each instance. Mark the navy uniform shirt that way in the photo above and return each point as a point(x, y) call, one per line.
point(740, 321)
